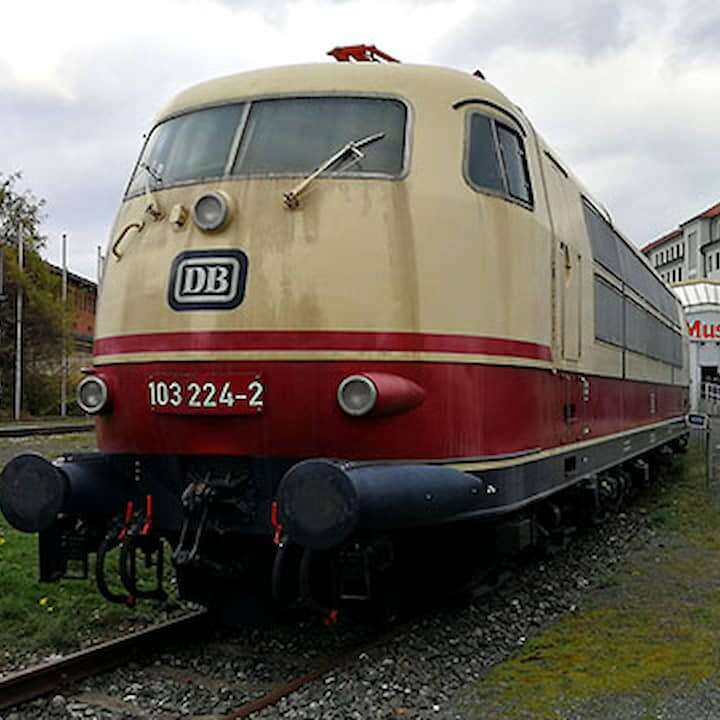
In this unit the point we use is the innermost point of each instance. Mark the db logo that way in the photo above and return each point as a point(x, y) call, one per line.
point(207, 280)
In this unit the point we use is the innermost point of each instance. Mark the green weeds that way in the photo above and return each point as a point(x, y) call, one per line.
point(652, 626)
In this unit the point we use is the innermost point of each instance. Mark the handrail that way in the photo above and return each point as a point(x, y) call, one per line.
point(120, 237)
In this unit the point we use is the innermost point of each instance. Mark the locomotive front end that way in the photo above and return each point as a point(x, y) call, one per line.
point(265, 235)
point(321, 331)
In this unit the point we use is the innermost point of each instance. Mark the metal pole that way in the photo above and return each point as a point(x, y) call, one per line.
point(709, 455)
point(64, 378)
point(18, 329)
point(100, 262)
point(2, 300)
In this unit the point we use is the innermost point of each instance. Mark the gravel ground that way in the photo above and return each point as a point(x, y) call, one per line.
point(686, 702)
point(421, 673)
point(418, 673)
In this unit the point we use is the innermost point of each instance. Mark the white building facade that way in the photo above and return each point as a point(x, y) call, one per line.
point(689, 259)
point(701, 302)
point(691, 252)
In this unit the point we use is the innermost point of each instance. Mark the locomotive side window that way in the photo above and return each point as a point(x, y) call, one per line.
point(483, 161)
point(495, 159)
point(296, 135)
point(644, 333)
point(188, 147)
point(647, 335)
point(613, 253)
point(608, 313)
point(603, 240)
point(513, 156)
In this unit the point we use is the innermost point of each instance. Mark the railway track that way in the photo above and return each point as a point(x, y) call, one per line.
point(325, 667)
point(34, 682)
point(299, 671)
point(51, 677)
point(21, 431)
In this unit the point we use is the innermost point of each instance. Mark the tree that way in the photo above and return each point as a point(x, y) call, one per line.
point(45, 320)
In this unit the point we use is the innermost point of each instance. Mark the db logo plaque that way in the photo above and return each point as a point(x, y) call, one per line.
point(207, 280)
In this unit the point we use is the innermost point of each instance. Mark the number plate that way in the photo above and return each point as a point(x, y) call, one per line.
point(230, 394)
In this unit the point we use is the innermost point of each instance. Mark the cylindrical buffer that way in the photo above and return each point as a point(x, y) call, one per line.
point(322, 502)
point(33, 491)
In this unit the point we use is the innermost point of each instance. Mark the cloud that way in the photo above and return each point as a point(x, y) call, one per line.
point(620, 119)
point(627, 92)
point(696, 32)
point(588, 29)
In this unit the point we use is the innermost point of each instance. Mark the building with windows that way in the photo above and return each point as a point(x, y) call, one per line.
point(81, 299)
point(690, 252)
point(689, 259)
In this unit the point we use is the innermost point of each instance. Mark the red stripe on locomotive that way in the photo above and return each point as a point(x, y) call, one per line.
point(469, 410)
point(319, 340)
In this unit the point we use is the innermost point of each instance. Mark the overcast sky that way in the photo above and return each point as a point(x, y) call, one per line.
point(628, 93)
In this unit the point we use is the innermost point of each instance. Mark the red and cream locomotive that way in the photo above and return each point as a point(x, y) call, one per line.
point(344, 302)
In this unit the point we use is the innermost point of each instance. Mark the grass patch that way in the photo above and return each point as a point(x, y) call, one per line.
point(51, 446)
point(42, 618)
point(651, 627)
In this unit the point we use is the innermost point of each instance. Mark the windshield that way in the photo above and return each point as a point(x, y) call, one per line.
point(189, 147)
point(283, 136)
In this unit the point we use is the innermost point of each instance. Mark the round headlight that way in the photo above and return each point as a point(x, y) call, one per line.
point(92, 395)
point(210, 211)
point(357, 395)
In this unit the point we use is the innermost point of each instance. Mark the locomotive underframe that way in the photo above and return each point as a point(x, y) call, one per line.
point(232, 550)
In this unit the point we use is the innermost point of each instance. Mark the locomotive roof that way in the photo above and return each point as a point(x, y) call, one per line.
point(413, 82)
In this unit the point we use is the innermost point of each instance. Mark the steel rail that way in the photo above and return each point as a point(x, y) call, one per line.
point(34, 682)
point(476, 587)
point(31, 430)
point(331, 664)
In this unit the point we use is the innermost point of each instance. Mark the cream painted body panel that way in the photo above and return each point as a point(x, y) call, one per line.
point(422, 253)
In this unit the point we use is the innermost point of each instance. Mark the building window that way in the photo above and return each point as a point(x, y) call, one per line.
point(679, 274)
point(692, 253)
point(709, 263)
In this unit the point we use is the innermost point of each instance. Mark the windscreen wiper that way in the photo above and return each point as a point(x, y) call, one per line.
point(152, 173)
point(291, 198)
point(153, 209)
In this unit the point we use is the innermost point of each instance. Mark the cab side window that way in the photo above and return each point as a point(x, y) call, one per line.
point(496, 159)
